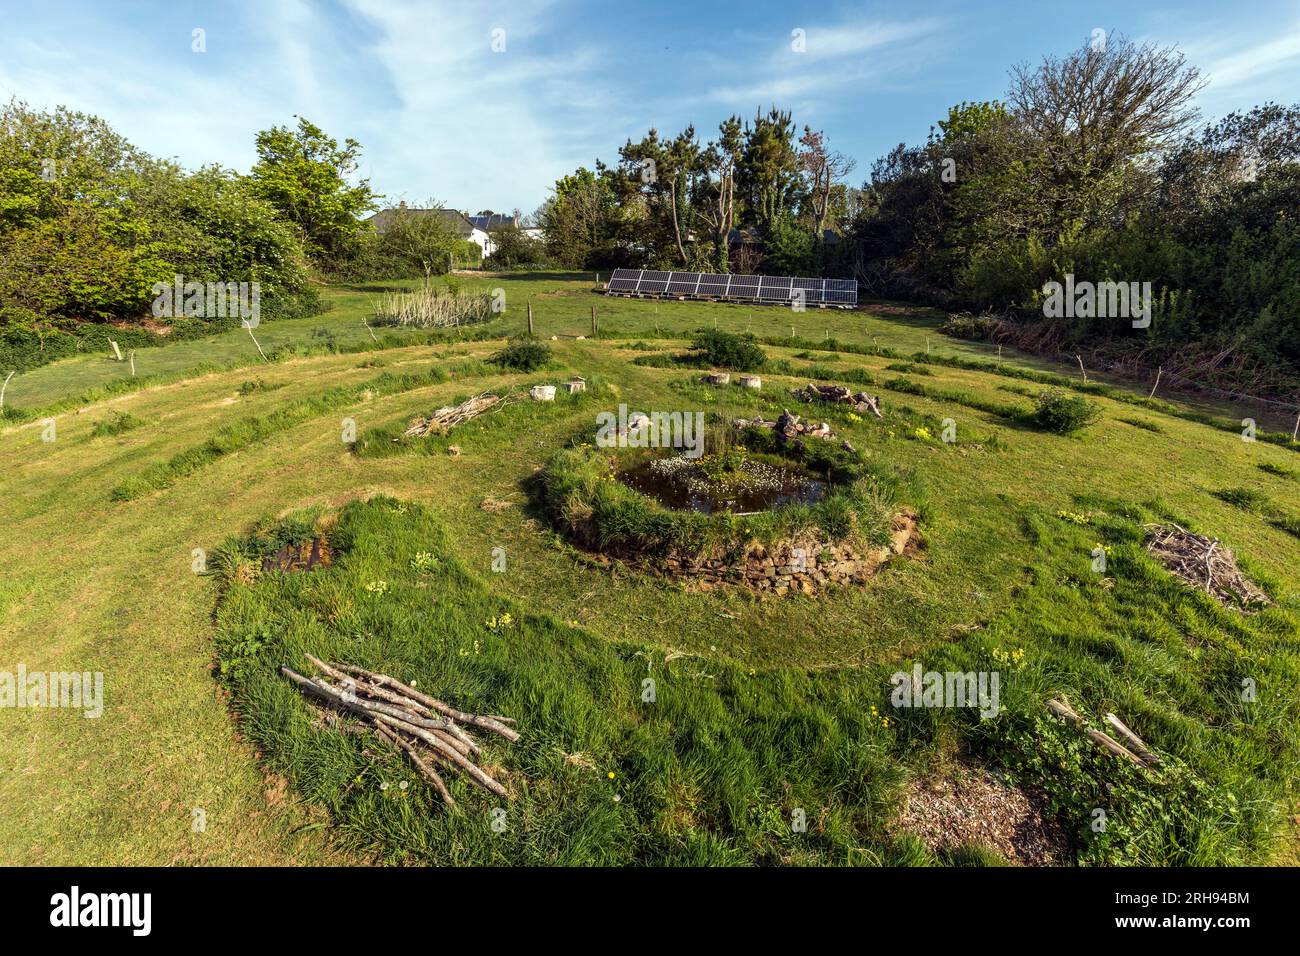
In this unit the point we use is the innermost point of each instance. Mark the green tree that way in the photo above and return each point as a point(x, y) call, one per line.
point(307, 177)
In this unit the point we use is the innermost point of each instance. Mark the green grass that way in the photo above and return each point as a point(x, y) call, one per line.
point(116, 424)
point(87, 582)
point(711, 770)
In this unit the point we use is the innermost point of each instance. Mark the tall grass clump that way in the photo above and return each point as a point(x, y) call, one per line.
point(429, 309)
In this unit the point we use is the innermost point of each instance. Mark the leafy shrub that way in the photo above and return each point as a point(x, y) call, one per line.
point(729, 350)
point(1063, 414)
point(979, 328)
point(523, 355)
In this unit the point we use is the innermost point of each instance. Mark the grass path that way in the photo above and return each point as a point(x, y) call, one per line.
point(91, 583)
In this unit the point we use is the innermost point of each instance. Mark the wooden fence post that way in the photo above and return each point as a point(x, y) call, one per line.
point(530, 318)
point(1160, 371)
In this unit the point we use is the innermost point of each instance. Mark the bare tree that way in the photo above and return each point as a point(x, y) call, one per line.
point(721, 158)
point(1088, 115)
point(822, 169)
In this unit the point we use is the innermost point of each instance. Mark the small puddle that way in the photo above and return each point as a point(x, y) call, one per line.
point(756, 485)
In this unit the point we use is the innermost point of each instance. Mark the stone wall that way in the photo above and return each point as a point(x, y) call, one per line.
point(777, 570)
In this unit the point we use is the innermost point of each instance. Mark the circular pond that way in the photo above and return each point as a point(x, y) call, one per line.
point(731, 482)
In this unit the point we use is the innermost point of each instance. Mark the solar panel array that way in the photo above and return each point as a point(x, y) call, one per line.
point(839, 292)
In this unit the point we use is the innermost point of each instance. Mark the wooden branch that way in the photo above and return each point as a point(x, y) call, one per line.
point(486, 721)
point(1106, 742)
point(479, 776)
point(430, 774)
point(1061, 708)
point(1135, 743)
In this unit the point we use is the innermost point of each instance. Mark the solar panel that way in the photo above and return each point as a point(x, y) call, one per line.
point(714, 284)
point(775, 289)
point(683, 283)
point(624, 280)
point(842, 291)
point(746, 288)
point(653, 282)
point(811, 290)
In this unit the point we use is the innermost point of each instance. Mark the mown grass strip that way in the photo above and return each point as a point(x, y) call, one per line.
point(19, 415)
point(250, 430)
point(1114, 393)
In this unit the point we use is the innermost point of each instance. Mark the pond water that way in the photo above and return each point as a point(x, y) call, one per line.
point(757, 485)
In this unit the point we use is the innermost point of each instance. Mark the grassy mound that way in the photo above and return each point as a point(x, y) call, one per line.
point(583, 497)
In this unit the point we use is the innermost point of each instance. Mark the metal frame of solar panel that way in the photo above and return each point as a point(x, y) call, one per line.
point(838, 293)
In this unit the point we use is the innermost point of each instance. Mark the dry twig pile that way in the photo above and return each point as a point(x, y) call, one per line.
point(430, 732)
point(449, 416)
point(1202, 563)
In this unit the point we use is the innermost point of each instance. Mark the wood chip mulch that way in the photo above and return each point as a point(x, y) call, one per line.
point(971, 805)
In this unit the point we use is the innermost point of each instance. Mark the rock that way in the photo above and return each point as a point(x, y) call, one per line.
point(542, 393)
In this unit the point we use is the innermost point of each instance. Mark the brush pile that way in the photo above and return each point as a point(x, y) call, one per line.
point(1202, 563)
point(449, 416)
point(840, 395)
point(432, 734)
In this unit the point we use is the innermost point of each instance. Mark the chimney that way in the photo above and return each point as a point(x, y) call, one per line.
point(402, 204)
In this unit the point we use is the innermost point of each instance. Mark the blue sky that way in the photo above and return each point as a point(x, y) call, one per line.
point(441, 115)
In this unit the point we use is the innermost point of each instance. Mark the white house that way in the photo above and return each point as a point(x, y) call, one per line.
point(459, 222)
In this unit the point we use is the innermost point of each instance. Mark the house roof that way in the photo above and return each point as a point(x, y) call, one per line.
point(382, 219)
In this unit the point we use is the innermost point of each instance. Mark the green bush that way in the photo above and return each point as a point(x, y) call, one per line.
point(523, 355)
point(739, 353)
point(1055, 411)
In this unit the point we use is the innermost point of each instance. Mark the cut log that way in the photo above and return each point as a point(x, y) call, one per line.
point(1135, 743)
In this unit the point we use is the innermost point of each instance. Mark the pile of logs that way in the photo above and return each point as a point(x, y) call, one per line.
point(788, 426)
point(840, 395)
point(1200, 562)
point(1137, 752)
point(449, 416)
point(432, 734)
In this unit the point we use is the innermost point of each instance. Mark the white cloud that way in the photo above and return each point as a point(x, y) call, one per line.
point(1256, 62)
point(850, 54)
